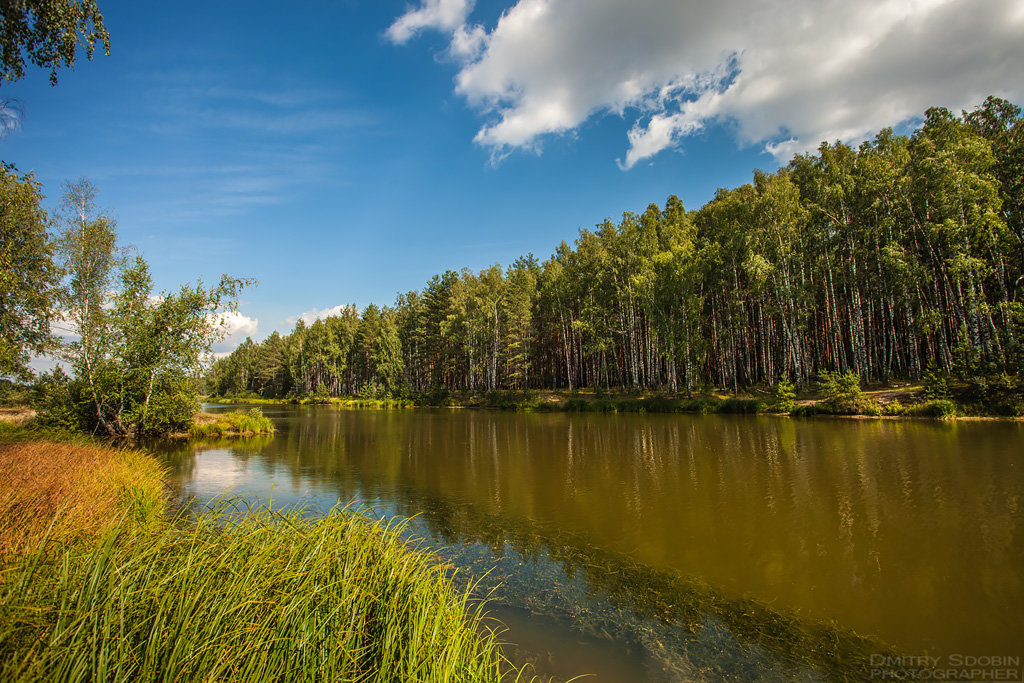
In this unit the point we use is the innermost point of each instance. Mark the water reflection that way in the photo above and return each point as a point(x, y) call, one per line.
point(710, 544)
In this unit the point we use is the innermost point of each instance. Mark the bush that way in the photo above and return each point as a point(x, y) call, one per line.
point(661, 404)
point(699, 405)
point(14, 395)
point(784, 396)
point(435, 396)
point(741, 406)
point(60, 402)
point(231, 424)
point(936, 385)
point(894, 408)
point(806, 410)
point(841, 395)
point(939, 408)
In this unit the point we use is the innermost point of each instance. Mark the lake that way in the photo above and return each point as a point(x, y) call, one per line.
point(679, 547)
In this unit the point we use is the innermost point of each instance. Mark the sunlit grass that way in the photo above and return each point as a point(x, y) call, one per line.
point(73, 490)
point(237, 423)
point(97, 582)
point(257, 597)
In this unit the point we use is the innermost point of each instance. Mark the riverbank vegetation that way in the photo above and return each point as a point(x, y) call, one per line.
point(896, 262)
point(235, 423)
point(67, 491)
point(98, 582)
point(133, 357)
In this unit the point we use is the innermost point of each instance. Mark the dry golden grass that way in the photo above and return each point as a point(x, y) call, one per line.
point(16, 416)
point(72, 489)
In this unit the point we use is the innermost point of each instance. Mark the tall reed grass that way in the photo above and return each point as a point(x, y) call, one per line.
point(235, 423)
point(73, 490)
point(260, 597)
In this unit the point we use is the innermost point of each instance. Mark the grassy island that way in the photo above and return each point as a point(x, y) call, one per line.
point(235, 423)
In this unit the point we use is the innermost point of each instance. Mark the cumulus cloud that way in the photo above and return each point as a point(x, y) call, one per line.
point(312, 315)
point(236, 327)
point(444, 15)
point(784, 74)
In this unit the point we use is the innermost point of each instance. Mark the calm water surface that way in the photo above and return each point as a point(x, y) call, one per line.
point(676, 547)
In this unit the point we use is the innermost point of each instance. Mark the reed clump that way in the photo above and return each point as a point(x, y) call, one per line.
point(263, 596)
point(99, 583)
point(235, 423)
point(66, 491)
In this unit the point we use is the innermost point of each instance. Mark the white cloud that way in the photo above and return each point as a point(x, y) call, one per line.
point(312, 315)
point(444, 15)
point(236, 327)
point(233, 323)
point(785, 74)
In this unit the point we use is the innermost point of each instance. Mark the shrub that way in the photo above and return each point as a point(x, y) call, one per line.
point(742, 406)
point(940, 408)
point(894, 408)
point(699, 405)
point(577, 405)
point(841, 395)
point(936, 385)
point(783, 396)
point(805, 410)
point(231, 424)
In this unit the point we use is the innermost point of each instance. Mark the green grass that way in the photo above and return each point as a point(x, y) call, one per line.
point(258, 597)
point(213, 426)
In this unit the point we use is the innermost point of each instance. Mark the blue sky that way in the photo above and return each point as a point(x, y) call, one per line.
point(341, 152)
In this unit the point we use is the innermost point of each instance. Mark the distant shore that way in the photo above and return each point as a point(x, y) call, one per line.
point(887, 402)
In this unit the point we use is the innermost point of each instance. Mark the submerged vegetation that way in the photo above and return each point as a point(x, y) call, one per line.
point(655, 610)
point(98, 583)
point(889, 263)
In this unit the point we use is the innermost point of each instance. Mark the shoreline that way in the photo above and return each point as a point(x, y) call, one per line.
point(562, 402)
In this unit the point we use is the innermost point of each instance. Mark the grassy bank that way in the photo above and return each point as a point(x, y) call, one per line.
point(880, 402)
point(70, 491)
point(831, 393)
point(97, 583)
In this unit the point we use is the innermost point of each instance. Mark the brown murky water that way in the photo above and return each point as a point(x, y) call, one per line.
point(675, 547)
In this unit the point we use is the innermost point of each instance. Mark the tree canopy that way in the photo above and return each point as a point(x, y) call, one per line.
point(28, 276)
point(136, 357)
point(48, 34)
point(899, 257)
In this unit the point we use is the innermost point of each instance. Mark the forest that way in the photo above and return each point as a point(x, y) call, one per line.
point(901, 257)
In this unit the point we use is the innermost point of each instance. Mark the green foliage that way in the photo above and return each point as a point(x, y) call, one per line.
point(15, 394)
point(437, 396)
point(841, 395)
point(60, 402)
point(742, 406)
point(138, 356)
point(48, 33)
point(936, 385)
point(942, 409)
point(903, 254)
point(28, 275)
point(838, 387)
point(236, 423)
point(783, 396)
point(997, 394)
point(805, 410)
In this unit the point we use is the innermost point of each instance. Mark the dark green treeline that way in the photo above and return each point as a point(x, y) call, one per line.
point(901, 256)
